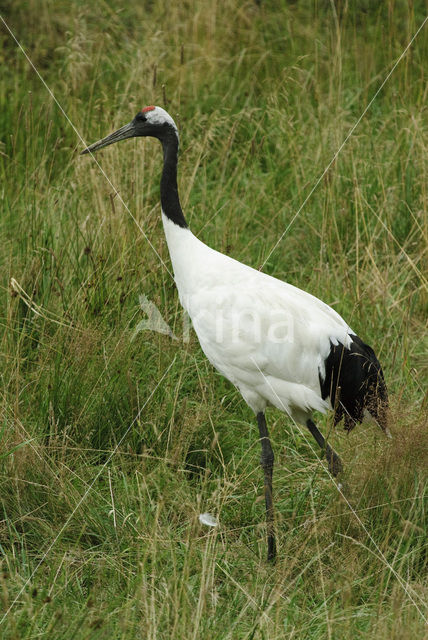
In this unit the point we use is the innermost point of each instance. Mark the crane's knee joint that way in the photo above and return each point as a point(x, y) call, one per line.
point(334, 462)
point(267, 460)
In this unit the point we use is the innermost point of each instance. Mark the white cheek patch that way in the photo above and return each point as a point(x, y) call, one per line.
point(160, 116)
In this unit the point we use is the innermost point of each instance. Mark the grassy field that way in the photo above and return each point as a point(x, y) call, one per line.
point(112, 443)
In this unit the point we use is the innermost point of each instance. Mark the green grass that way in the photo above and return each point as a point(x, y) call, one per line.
point(103, 471)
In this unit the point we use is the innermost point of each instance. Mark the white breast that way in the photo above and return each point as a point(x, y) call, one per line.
point(268, 338)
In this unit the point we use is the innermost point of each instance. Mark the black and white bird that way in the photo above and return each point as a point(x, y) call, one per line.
point(279, 345)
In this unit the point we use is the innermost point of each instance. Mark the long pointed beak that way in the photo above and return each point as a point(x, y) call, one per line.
point(128, 131)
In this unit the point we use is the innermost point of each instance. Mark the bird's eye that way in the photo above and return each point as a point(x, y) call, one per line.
point(141, 117)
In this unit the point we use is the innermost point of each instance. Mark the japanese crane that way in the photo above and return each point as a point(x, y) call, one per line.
point(279, 345)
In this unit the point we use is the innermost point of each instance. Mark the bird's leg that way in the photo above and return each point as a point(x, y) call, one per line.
point(266, 461)
point(334, 462)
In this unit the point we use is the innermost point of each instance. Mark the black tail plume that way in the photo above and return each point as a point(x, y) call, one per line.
point(354, 381)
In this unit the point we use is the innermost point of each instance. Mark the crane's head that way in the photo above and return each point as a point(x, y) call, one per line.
point(150, 121)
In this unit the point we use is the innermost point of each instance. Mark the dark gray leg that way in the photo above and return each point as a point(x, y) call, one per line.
point(266, 461)
point(334, 463)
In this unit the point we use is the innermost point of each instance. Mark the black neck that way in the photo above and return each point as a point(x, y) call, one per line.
point(169, 192)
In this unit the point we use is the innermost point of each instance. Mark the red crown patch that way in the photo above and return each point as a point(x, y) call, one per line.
point(145, 109)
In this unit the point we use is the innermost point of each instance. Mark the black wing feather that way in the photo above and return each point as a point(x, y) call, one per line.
point(354, 381)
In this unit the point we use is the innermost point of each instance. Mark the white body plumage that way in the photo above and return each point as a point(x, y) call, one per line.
point(269, 338)
point(277, 344)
